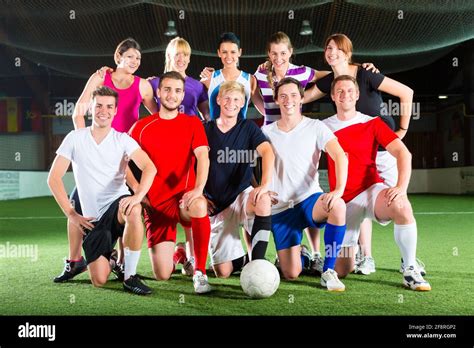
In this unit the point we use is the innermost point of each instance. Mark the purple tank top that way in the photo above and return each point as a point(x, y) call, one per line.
point(128, 104)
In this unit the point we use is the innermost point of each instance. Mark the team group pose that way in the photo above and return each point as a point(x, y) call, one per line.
point(207, 167)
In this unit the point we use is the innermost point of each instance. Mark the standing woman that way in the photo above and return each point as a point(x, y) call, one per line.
point(178, 54)
point(338, 54)
point(229, 52)
point(132, 91)
point(195, 103)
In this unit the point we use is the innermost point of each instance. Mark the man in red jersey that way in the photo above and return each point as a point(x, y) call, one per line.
point(175, 142)
point(366, 195)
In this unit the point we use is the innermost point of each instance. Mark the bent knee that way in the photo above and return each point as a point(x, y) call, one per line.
point(162, 275)
point(135, 214)
point(222, 274)
point(98, 281)
point(199, 206)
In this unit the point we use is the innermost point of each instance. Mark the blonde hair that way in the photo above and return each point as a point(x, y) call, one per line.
point(342, 42)
point(231, 86)
point(177, 45)
point(277, 38)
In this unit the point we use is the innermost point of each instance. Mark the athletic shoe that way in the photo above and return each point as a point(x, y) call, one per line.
point(330, 281)
point(179, 255)
point(71, 269)
point(420, 266)
point(366, 266)
point(317, 263)
point(135, 285)
point(201, 284)
point(188, 267)
point(413, 279)
point(117, 267)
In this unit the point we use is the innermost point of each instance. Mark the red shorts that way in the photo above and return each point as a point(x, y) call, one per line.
point(161, 221)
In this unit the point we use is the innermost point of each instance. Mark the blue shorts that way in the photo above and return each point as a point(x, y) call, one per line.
point(288, 225)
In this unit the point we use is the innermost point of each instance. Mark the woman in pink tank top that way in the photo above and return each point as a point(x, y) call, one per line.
point(132, 90)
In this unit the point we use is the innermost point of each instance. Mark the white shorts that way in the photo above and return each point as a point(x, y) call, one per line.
point(387, 167)
point(225, 244)
point(359, 208)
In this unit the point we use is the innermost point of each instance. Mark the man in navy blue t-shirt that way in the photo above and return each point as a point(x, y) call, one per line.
point(235, 145)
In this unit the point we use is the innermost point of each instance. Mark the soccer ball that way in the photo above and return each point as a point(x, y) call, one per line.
point(259, 279)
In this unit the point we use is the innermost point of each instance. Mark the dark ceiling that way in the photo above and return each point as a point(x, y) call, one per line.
point(71, 39)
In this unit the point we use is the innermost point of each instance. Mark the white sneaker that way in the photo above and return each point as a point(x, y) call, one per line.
point(330, 281)
point(412, 279)
point(420, 266)
point(317, 263)
point(366, 266)
point(188, 267)
point(201, 284)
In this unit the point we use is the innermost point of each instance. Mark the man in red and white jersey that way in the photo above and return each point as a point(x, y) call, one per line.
point(366, 195)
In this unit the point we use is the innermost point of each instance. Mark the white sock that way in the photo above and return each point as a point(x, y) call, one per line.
point(405, 237)
point(131, 262)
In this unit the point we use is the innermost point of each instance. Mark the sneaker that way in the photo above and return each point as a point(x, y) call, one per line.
point(366, 266)
point(201, 284)
point(413, 279)
point(188, 267)
point(420, 266)
point(179, 256)
point(71, 269)
point(117, 267)
point(330, 281)
point(135, 285)
point(317, 263)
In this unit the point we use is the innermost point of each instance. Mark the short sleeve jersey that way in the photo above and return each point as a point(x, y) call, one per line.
point(359, 138)
point(303, 74)
point(99, 169)
point(194, 94)
point(232, 155)
point(297, 154)
point(370, 100)
point(170, 144)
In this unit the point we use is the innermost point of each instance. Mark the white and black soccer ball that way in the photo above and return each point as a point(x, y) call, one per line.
point(259, 279)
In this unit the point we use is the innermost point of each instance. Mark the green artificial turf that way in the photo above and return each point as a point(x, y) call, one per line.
point(445, 244)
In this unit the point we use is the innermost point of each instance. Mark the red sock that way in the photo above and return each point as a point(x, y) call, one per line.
point(201, 235)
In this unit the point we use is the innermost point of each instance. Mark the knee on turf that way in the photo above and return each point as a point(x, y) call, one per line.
point(291, 274)
point(98, 280)
point(162, 274)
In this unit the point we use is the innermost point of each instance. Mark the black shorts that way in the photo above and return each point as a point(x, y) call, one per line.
point(101, 240)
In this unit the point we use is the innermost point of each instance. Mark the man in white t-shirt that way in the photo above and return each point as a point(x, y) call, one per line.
point(297, 143)
point(99, 156)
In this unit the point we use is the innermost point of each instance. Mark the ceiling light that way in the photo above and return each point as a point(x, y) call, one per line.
point(442, 97)
point(306, 29)
point(171, 29)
